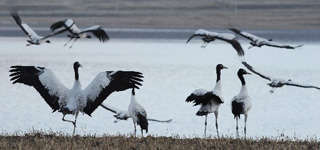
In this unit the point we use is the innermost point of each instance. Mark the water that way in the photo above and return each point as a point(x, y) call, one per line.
point(172, 70)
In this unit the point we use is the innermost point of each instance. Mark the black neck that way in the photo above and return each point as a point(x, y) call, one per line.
point(133, 93)
point(76, 73)
point(243, 82)
point(218, 74)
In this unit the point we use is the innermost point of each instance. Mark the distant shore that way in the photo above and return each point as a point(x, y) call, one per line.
point(180, 34)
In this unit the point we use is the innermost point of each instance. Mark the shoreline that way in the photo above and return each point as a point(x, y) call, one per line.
point(308, 35)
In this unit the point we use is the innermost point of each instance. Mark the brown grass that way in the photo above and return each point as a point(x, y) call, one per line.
point(41, 140)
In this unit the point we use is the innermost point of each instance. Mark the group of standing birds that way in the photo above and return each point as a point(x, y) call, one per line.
point(210, 101)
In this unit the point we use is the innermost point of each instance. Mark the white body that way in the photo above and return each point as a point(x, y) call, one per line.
point(244, 97)
point(133, 109)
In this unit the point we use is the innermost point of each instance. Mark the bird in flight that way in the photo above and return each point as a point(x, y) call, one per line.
point(76, 33)
point(259, 41)
point(34, 38)
point(208, 37)
point(277, 82)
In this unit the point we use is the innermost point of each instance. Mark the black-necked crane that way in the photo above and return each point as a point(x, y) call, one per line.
point(208, 36)
point(210, 100)
point(241, 103)
point(259, 41)
point(35, 39)
point(278, 82)
point(76, 33)
point(138, 114)
point(74, 100)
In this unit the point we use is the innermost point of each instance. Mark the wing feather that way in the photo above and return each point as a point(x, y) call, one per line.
point(278, 45)
point(43, 80)
point(202, 96)
point(108, 82)
point(247, 35)
point(291, 83)
point(25, 28)
point(254, 71)
point(211, 36)
point(98, 32)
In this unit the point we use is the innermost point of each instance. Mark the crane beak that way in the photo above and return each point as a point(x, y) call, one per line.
point(224, 67)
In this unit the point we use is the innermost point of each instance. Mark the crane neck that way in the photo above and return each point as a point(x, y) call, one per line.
point(76, 73)
point(243, 82)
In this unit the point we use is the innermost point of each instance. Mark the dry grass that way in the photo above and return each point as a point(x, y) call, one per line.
point(41, 140)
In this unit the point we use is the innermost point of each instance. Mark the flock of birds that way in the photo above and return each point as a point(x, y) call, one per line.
point(87, 100)
point(59, 27)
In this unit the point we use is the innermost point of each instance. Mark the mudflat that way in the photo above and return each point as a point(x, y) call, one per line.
point(179, 14)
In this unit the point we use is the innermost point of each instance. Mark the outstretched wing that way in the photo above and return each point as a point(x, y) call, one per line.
point(107, 82)
point(278, 45)
point(202, 33)
point(98, 32)
point(202, 96)
point(25, 28)
point(231, 39)
point(195, 35)
point(208, 36)
point(247, 35)
point(254, 71)
point(63, 23)
point(44, 81)
point(291, 83)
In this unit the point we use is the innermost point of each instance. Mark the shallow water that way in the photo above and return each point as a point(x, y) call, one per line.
point(172, 70)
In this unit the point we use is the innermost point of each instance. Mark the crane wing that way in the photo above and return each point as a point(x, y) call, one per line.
point(291, 83)
point(202, 96)
point(108, 82)
point(208, 36)
point(247, 35)
point(98, 32)
point(25, 28)
point(201, 33)
point(275, 44)
point(44, 81)
point(254, 71)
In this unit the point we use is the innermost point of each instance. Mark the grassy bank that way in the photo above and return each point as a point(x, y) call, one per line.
point(39, 140)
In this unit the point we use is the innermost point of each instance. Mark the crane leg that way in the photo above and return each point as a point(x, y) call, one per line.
point(73, 42)
point(73, 122)
point(245, 124)
point(205, 126)
point(216, 115)
point(273, 89)
point(142, 132)
point(237, 132)
point(135, 129)
point(71, 38)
